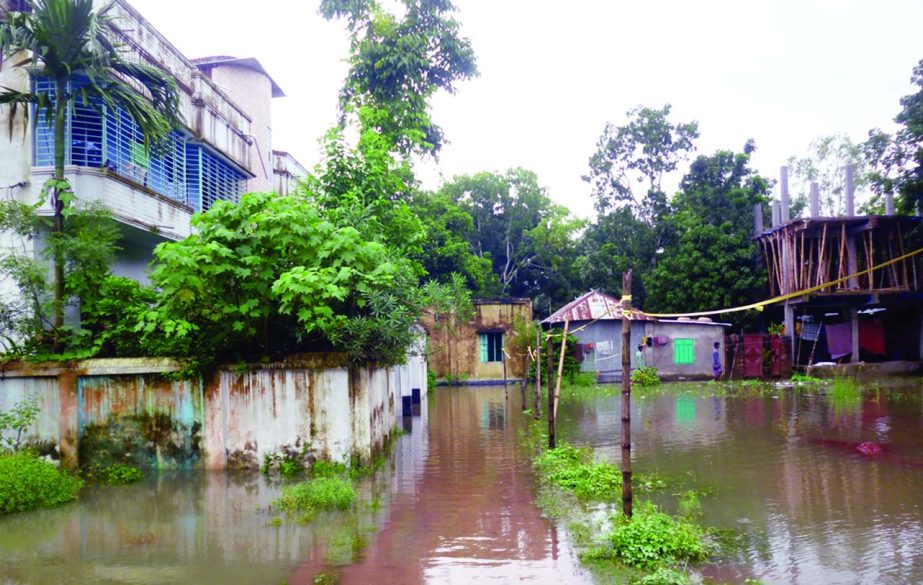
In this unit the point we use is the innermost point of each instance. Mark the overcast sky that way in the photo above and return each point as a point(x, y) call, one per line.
point(553, 73)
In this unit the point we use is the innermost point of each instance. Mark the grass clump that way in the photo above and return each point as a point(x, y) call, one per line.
point(27, 482)
point(573, 469)
point(651, 539)
point(319, 493)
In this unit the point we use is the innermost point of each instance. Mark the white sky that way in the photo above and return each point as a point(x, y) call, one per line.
point(553, 73)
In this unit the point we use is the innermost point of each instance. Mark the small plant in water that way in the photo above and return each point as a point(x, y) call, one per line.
point(119, 474)
point(646, 376)
point(651, 539)
point(319, 493)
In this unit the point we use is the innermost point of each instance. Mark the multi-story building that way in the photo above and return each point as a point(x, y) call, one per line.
point(223, 149)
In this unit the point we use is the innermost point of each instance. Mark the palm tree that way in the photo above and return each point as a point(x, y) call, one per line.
point(63, 39)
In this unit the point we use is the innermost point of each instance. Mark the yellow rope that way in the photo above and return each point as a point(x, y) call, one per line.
point(759, 306)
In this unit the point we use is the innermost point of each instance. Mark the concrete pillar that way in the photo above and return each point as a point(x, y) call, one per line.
point(850, 191)
point(854, 321)
point(776, 211)
point(786, 201)
point(815, 199)
point(852, 261)
point(889, 203)
point(789, 323)
point(757, 219)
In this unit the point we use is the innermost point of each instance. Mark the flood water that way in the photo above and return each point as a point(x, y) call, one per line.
point(455, 503)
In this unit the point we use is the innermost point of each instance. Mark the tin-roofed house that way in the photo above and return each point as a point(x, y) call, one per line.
point(679, 349)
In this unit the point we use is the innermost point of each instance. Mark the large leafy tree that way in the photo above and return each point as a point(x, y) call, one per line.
point(712, 261)
point(527, 237)
point(626, 176)
point(397, 63)
point(274, 275)
point(64, 40)
point(825, 162)
point(897, 161)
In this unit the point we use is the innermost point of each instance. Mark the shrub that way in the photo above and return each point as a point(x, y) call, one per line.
point(651, 539)
point(27, 482)
point(16, 420)
point(320, 493)
point(646, 376)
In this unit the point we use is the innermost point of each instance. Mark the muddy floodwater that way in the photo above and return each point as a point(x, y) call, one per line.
point(820, 487)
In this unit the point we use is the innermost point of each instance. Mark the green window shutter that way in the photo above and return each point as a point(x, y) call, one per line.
point(684, 351)
point(482, 338)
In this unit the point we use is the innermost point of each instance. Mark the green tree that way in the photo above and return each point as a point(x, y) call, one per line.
point(518, 228)
point(66, 41)
point(273, 275)
point(897, 161)
point(712, 263)
point(447, 250)
point(626, 177)
point(397, 63)
point(825, 162)
point(87, 244)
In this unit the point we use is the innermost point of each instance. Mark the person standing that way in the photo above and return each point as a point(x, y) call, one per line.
point(716, 368)
point(639, 357)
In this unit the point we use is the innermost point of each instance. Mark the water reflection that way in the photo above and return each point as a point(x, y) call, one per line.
point(453, 505)
point(790, 472)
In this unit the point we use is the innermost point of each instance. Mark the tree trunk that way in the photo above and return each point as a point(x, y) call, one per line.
point(57, 206)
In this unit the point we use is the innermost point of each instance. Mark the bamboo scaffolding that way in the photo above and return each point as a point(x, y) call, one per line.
point(821, 260)
point(840, 269)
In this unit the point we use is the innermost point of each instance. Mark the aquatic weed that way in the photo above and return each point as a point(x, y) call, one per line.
point(651, 539)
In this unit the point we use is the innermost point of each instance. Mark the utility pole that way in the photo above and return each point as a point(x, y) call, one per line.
point(626, 393)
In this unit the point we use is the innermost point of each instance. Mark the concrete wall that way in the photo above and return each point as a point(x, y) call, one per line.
point(315, 406)
point(457, 353)
point(703, 334)
point(606, 339)
point(253, 92)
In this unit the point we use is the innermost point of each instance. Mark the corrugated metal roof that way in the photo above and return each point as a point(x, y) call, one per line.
point(593, 305)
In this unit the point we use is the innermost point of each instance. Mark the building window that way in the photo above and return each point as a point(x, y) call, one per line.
point(491, 347)
point(684, 351)
point(209, 178)
point(103, 137)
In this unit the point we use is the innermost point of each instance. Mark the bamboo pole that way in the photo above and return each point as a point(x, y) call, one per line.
point(550, 361)
point(822, 260)
point(626, 393)
point(841, 267)
point(557, 383)
point(538, 372)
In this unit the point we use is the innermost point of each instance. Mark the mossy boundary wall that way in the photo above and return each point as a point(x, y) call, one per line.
point(136, 411)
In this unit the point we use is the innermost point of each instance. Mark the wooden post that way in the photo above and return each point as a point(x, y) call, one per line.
point(550, 362)
point(626, 393)
point(506, 391)
point(538, 372)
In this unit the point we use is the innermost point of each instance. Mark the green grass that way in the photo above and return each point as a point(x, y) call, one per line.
point(28, 482)
point(319, 493)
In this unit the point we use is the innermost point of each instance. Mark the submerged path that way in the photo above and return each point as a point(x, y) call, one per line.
point(462, 508)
